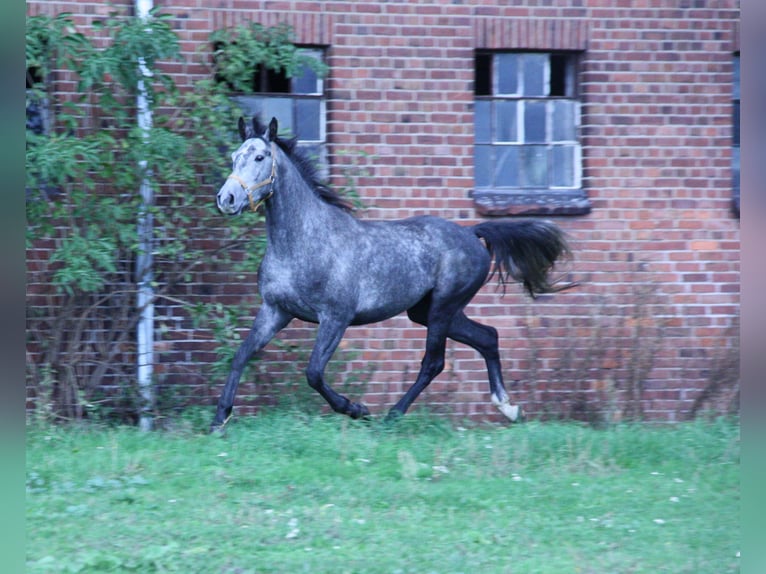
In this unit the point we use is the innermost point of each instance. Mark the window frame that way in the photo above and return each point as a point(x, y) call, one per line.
point(265, 104)
point(524, 197)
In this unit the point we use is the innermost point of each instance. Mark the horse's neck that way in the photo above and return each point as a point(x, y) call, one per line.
point(295, 214)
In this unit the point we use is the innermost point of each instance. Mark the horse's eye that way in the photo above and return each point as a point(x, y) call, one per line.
point(259, 157)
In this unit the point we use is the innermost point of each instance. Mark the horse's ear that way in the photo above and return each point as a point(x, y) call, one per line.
point(273, 127)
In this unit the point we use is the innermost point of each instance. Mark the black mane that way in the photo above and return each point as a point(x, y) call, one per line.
point(307, 167)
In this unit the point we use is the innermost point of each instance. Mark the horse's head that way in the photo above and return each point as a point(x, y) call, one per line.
point(254, 169)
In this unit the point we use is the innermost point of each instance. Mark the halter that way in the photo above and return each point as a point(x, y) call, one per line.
point(251, 188)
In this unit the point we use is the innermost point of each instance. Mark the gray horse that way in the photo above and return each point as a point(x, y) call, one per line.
point(322, 265)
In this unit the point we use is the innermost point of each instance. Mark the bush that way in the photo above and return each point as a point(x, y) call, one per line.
point(85, 165)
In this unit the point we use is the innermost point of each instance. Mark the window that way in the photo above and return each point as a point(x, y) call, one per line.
point(36, 103)
point(298, 103)
point(527, 153)
point(38, 124)
point(735, 135)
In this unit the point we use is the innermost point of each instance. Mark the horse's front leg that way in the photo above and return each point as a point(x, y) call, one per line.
point(329, 334)
point(431, 365)
point(268, 322)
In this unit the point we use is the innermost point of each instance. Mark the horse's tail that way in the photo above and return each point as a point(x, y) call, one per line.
point(525, 251)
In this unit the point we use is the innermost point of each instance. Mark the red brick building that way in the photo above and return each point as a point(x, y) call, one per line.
point(617, 119)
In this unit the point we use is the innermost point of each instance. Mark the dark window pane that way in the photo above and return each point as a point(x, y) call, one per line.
point(735, 125)
point(482, 165)
point(563, 166)
point(735, 79)
point(534, 74)
point(34, 77)
point(260, 81)
point(482, 123)
point(534, 166)
point(534, 122)
point(507, 166)
point(735, 167)
point(506, 123)
point(560, 75)
point(308, 116)
point(564, 120)
point(507, 73)
point(268, 81)
point(482, 82)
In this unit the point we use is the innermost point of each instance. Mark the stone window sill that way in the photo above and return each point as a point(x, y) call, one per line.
point(491, 202)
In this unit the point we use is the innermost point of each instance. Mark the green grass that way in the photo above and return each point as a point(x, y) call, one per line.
point(290, 493)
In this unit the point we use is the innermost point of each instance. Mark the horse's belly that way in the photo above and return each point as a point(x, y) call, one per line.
point(367, 316)
point(386, 299)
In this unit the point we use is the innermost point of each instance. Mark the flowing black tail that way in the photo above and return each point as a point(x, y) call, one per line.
point(524, 251)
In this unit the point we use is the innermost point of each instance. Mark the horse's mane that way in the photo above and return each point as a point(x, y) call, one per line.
point(309, 171)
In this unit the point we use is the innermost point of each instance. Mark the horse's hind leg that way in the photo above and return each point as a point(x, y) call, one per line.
point(483, 338)
point(268, 322)
point(437, 319)
point(329, 334)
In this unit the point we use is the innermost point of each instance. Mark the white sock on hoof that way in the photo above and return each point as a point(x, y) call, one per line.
point(510, 411)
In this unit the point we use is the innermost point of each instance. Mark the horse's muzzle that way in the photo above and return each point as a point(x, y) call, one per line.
point(227, 202)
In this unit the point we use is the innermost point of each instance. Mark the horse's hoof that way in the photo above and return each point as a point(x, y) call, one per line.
point(513, 413)
point(393, 417)
point(219, 428)
point(359, 411)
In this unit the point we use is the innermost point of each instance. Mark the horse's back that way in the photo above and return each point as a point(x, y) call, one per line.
point(430, 251)
point(430, 228)
point(447, 237)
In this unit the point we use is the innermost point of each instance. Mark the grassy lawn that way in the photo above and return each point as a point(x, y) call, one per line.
point(289, 493)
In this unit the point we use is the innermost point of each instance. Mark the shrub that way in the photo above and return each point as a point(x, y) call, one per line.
point(85, 164)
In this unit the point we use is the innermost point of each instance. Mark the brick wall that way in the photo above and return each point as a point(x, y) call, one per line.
point(653, 328)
